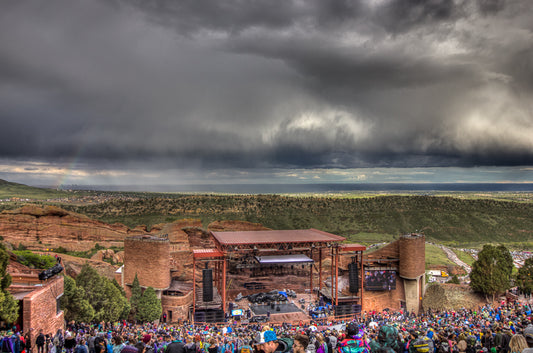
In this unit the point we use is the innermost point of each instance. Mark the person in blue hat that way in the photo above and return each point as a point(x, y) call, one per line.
point(266, 342)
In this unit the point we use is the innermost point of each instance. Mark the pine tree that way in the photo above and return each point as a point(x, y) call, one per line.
point(8, 305)
point(108, 302)
point(127, 307)
point(491, 273)
point(149, 307)
point(524, 278)
point(74, 304)
point(136, 293)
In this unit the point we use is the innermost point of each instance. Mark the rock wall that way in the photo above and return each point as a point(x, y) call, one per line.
point(51, 227)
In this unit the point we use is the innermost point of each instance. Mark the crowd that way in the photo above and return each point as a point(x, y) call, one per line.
point(504, 329)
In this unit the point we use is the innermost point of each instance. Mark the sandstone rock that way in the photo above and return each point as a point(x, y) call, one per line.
point(73, 266)
point(98, 256)
point(103, 255)
point(199, 238)
point(140, 228)
point(179, 239)
point(118, 257)
point(51, 227)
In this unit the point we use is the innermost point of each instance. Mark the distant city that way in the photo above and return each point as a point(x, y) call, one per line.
point(314, 188)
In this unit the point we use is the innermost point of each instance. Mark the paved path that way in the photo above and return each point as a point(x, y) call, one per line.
point(451, 255)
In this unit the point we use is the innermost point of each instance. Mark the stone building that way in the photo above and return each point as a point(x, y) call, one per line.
point(405, 260)
point(38, 300)
point(150, 258)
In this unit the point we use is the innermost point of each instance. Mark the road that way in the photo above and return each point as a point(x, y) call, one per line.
point(451, 255)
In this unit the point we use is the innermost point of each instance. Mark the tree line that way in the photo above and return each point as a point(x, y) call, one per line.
point(440, 218)
point(91, 297)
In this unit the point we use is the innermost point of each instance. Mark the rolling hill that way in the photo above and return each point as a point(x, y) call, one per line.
point(10, 190)
point(443, 219)
point(453, 220)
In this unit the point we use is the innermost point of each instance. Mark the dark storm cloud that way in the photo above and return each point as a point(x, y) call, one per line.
point(287, 84)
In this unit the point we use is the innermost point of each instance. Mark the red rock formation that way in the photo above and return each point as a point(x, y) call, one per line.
point(52, 227)
point(49, 227)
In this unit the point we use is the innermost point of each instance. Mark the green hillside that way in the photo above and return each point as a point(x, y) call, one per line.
point(449, 220)
point(10, 190)
point(454, 220)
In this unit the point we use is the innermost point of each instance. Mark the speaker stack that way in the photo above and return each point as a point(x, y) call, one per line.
point(207, 280)
point(353, 273)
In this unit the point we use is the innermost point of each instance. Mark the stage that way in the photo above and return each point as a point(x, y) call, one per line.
point(283, 309)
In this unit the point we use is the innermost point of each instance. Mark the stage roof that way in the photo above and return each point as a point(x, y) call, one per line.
point(352, 247)
point(275, 237)
point(283, 259)
point(200, 253)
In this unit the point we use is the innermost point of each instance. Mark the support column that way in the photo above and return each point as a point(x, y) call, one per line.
point(319, 270)
point(336, 277)
point(361, 287)
point(217, 275)
point(193, 288)
point(311, 274)
point(224, 285)
point(332, 254)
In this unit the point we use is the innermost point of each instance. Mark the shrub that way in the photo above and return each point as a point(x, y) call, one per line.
point(32, 260)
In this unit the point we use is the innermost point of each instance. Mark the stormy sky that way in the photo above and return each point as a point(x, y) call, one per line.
point(191, 91)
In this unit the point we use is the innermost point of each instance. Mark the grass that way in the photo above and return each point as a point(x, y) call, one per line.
point(370, 238)
point(10, 190)
point(464, 256)
point(435, 256)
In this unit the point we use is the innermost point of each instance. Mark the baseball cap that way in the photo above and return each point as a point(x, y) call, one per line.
point(264, 337)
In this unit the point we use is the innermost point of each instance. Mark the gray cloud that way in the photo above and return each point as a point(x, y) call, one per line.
point(253, 84)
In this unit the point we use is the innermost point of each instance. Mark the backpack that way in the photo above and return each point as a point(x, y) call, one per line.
point(246, 349)
point(285, 344)
point(421, 345)
point(444, 347)
point(352, 346)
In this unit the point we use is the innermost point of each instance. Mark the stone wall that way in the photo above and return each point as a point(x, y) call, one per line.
point(379, 300)
point(40, 309)
point(179, 306)
point(149, 258)
point(412, 256)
